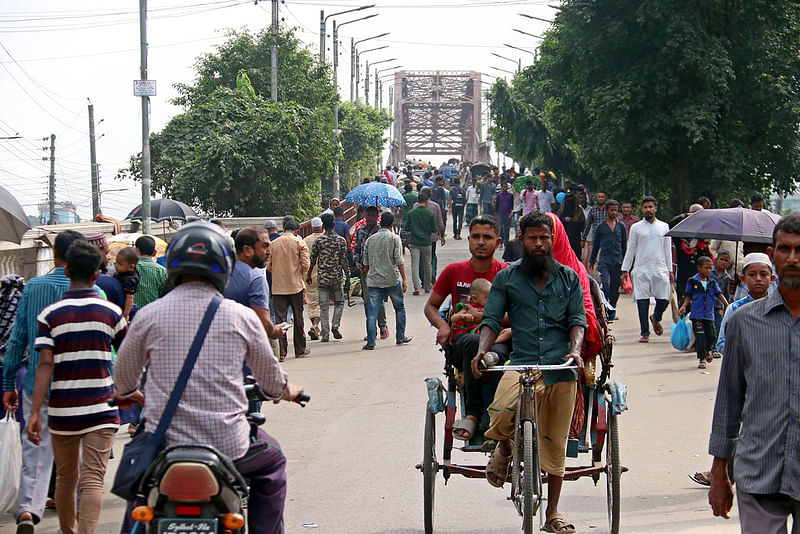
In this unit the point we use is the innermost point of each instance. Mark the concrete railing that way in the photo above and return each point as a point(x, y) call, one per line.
point(34, 257)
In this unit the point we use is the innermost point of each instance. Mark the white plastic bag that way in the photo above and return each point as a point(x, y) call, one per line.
point(11, 465)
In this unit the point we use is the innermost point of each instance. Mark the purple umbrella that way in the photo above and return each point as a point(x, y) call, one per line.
point(730, 224)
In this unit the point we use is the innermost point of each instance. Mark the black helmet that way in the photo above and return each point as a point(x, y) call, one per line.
point(200, 249)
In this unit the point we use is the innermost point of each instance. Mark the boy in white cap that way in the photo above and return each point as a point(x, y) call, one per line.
point(757, 275)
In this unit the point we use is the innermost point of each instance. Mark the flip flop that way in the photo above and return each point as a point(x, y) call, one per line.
point(497, 468)
point(558, 524)
point(465, 425)
point(700, 478)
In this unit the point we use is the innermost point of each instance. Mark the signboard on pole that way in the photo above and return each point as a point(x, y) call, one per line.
point(144, 88)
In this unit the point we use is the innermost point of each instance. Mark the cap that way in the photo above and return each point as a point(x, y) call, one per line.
point(756, 257)
point(316, 222)
point(98, 240)
point(270, 224)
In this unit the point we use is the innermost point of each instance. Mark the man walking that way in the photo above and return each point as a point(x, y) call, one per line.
point(151, 275)
point(421, 223)
point(329, 256)
point(610, 241)
point(37, 461)
point(288, 262)
point(596, 215)
point(362, 234)
point(487, 193)
point(503, 204)
point(627, 217)
point(458, 200)
point(546, 197)
point(311, 293)
point(651, 251)
point(473, 198)
point(757, 404)
point(439, 196)
point(383, 262)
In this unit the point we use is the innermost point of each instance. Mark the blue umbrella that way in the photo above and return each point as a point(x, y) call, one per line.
point(375, 194)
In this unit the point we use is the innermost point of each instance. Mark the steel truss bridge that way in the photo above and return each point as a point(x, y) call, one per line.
point(437, 112)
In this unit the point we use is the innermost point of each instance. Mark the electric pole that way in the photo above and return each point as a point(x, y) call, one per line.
point(93, 163)
point(145, 119)
point(52, 192)
point(322, 36)
point(274, 64)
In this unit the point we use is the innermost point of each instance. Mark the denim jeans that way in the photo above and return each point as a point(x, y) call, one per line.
point(471, 213)
point(610, 278)
point(376, 297)
point(326, 294)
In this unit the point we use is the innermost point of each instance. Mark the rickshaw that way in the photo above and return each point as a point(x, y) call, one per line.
point(598, 438)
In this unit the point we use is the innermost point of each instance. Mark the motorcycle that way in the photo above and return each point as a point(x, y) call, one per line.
point(195, 489)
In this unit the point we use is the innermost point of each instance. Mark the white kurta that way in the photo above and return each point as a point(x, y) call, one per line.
point(650, 253)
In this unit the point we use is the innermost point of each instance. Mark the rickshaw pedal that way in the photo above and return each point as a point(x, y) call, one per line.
point(623, 469)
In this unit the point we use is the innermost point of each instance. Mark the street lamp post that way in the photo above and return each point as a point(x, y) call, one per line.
point(528, 34)
point(366, 80)
point(378, 94)
point(323, 20)
point(336, 101)
point(358, 65)
point(354, 61)
point(534, 18)
point(531, 52)
point(503, 70)
point(517, 63)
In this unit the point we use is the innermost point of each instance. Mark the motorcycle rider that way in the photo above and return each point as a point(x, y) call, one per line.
point(213, 406)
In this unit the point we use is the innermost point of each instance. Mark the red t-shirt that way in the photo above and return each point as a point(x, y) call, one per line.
point(456, 278)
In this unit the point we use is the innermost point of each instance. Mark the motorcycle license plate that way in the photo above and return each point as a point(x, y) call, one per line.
point(187, 526)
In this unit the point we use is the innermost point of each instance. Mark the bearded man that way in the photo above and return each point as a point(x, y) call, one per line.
point(544, 303)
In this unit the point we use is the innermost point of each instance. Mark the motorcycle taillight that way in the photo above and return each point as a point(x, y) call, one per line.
point(189, 482)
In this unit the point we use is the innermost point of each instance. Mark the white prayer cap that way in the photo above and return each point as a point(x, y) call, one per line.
point(756, 257)
point(316, 222)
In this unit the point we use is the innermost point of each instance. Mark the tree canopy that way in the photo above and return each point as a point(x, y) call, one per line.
point(235, 152)
point(683, 99)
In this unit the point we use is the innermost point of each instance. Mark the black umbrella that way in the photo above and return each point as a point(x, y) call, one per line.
point(13, 221)
point(480, 168)
point(164, 209)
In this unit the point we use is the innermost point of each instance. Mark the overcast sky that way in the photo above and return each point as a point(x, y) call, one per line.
point(52, 59)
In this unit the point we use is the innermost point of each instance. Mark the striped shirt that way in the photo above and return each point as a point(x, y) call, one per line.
point(759, 389)
point(151, 277)
point(212, 408)
point(80, 329)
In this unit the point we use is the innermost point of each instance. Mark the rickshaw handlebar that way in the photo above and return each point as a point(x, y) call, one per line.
point(569, 364)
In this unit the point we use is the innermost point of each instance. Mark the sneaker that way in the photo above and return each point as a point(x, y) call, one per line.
point(313, 335)
point(368, 347)
point(336, 333)
point(701, 364)
point(405, 340)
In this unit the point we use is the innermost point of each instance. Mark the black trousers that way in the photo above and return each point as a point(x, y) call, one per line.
point(705, 336)
point(465, 348)
point(282, 303)
point(458, 220)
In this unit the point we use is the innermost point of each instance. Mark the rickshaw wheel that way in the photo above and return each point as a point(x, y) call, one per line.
point(531, 481)
point(429, 469)
point(613, 473)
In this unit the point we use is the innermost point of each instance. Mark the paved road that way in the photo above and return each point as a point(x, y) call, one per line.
point(352, 450)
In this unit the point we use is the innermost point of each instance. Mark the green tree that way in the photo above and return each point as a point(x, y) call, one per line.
point(233, 151)
point(362, 140)
point(685, 99)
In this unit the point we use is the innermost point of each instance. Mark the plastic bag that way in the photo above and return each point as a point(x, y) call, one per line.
point(11, 466)
point(680, 333)
point(627, 286)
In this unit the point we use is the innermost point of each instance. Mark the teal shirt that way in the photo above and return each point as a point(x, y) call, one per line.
point(38, 293)
point(421, 223)
point(540, 322)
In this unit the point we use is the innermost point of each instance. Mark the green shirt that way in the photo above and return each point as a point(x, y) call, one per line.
point(421, 223)
point(151, 277)
point(411, 199)
point(540, 322)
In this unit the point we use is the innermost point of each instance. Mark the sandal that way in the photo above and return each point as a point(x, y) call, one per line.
point(700, 478)
point(464, 429)
point(702, 364)
point(709, 357)
point(558, 524)
point(657, 328)
point(644, 339)
point(497, 468)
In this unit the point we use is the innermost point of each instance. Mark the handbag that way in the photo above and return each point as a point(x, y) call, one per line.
point(140, 451)
point(11, 452)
